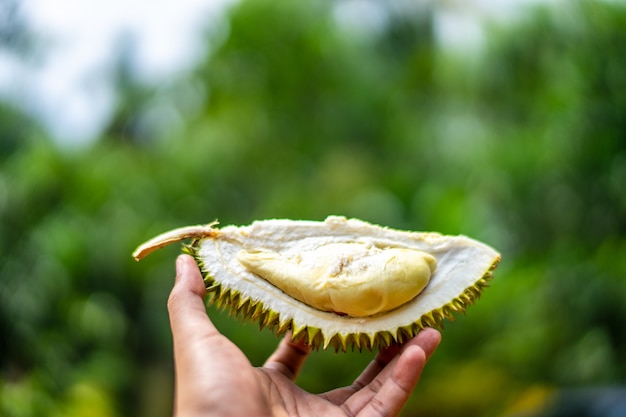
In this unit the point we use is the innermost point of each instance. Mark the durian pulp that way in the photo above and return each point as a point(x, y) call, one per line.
point(354, 279)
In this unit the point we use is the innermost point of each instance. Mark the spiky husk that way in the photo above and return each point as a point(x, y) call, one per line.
point(246, 308)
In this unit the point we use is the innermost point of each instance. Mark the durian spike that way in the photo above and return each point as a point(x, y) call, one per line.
point(173, 236)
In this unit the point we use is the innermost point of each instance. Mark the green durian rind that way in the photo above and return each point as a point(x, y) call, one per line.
point(252, 298)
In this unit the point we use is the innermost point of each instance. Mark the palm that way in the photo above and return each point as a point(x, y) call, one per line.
point(215, 378)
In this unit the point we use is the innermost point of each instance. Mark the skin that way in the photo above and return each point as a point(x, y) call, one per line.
point(214, 377)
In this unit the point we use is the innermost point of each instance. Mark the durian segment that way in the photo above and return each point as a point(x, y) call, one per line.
point(463, 268)
point(353, 279)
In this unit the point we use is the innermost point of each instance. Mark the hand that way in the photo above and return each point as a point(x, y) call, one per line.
point(214, 377)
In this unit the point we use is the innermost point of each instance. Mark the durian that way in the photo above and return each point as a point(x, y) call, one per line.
point(342, 282)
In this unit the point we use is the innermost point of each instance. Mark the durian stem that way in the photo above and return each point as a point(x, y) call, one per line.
point(176, 235)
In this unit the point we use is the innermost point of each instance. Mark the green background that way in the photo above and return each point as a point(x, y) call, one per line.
point(520, 144)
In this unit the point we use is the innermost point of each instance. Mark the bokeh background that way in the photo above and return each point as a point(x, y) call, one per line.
point(516, 137)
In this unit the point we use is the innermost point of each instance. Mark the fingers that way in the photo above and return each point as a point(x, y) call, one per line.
point(395, 390)
point(428, 340)
point(375, 366)
point(288, 357)
point(387, 382)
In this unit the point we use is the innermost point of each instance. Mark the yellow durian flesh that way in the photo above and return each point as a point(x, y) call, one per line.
point(354, 279)
point(226, 257)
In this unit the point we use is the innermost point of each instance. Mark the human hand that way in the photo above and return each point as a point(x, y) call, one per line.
point(214, 377)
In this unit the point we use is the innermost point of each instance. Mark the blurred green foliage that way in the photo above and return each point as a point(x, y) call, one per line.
point(294, 115)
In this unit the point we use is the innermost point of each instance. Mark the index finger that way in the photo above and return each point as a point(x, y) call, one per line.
point(427, 340)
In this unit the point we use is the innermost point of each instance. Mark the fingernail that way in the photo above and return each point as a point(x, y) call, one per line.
point(180, 265)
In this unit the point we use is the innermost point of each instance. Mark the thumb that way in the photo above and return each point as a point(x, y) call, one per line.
point(191, 331)
point(186, 306)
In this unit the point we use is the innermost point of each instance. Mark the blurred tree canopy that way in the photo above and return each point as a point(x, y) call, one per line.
point(294, 114)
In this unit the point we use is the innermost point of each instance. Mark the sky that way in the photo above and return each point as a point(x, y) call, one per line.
point(68, 89)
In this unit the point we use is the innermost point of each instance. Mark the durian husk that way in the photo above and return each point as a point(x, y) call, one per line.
point(464, 269)
point(358, 336)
